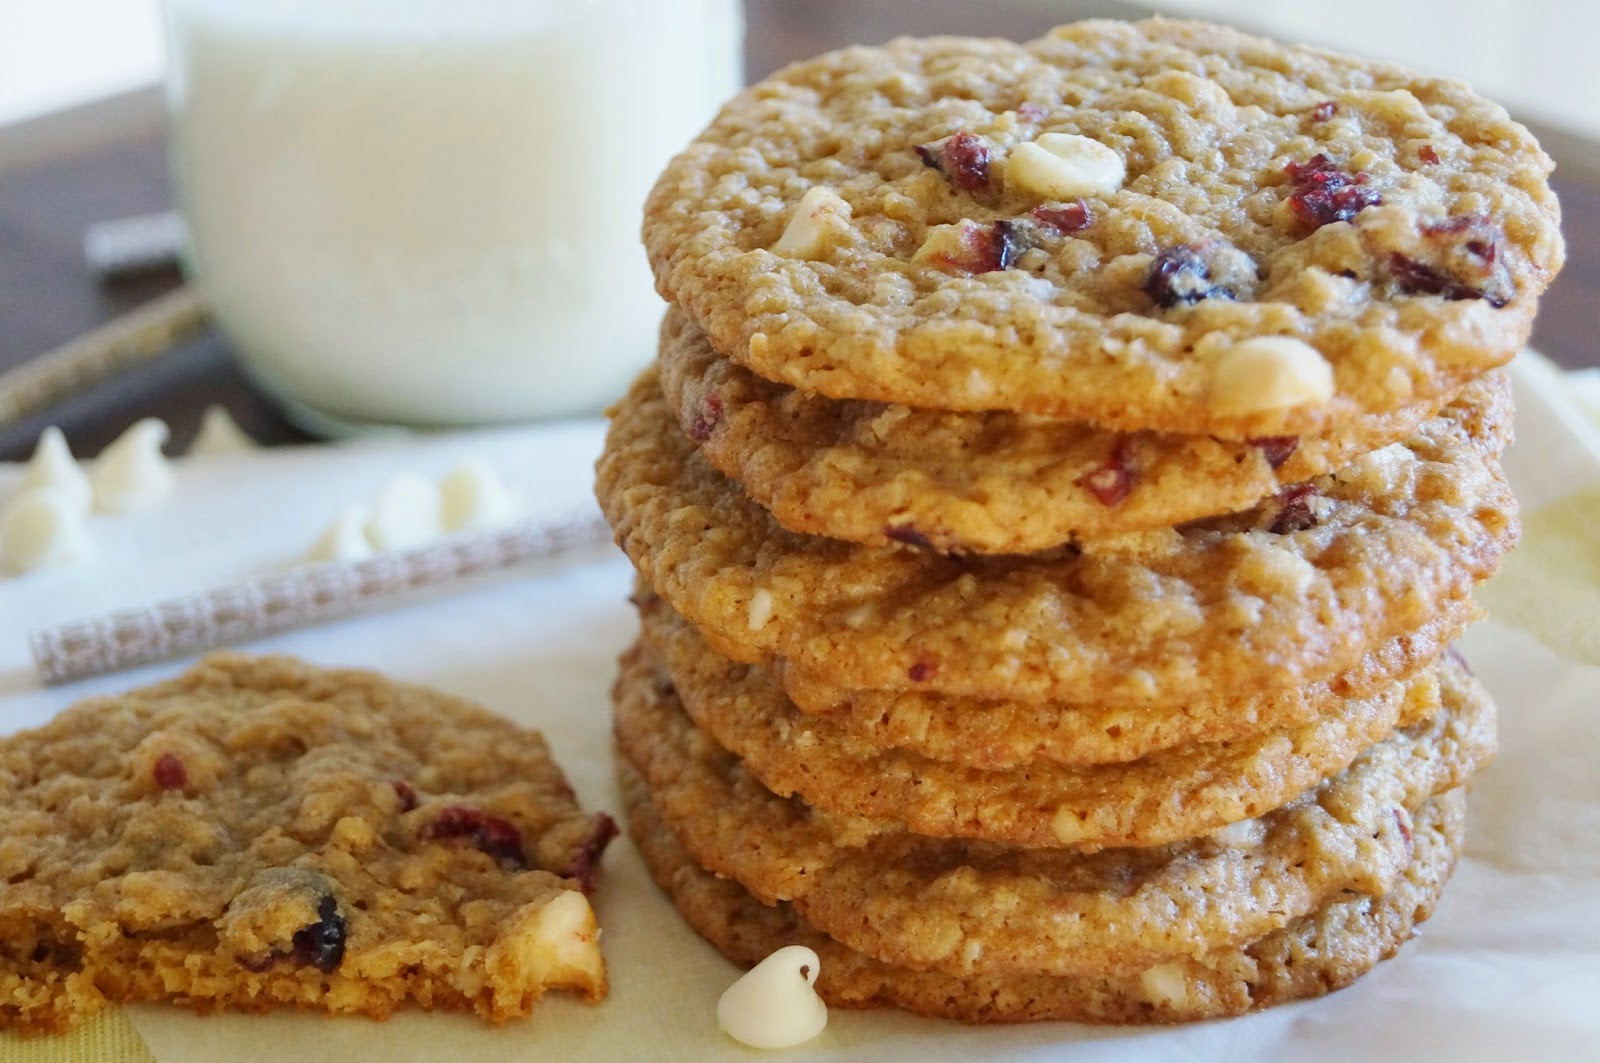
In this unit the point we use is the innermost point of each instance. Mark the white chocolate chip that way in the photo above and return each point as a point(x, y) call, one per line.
point(52, 466)
point(473, 497)
point(220, 434)
point(1064, 166)
point(43, 527)
point(1237, 835)
point(775, 1005)
point(1269, 373)
point(345, 539)
point(948, 246)
point(1165, 983)
point(1067, 826)
point(406, 513)
point(132, 474)
point(819, 212)
point(760, 609)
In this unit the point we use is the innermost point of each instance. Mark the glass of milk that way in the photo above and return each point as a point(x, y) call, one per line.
point(426, 212)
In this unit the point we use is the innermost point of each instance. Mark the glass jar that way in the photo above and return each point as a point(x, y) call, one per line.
point(426, 212)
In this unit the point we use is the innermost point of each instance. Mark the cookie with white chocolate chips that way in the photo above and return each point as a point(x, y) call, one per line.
point(1318, 953)
point(260, 833)
point(995, 482)
point(1168, 796)
point(1155, 225)
point(968, 907)
point(1289, 592)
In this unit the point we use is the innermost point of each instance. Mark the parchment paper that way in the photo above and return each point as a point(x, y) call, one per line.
point(1508, 968)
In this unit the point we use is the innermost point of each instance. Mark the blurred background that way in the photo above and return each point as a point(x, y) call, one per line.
point(83, 139)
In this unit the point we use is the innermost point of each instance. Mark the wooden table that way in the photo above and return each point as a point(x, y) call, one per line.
point(109, 162)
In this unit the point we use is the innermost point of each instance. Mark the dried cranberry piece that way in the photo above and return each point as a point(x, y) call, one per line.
point(922, 670)
point(963, 158)
point(586, 860)
point(1324, 111)
point(322, 943)
point(487, 833)
point(1420, 279)
point(909, 534)
point(1005, 244)
point(1400, 818)
point(1323, 193)
point(169, 772)
point(407, 794)
point(1182, 274)
point(1031, 111)
point(1428, 156)
point(707, 419)
point(1294, 510)
point(1068, 219)
point(1276, 449)
point(1112, 481)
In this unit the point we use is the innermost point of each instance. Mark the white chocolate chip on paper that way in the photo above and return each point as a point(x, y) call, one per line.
point(775, 1004)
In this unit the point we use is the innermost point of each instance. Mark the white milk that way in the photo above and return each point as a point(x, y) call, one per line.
point(427, 211)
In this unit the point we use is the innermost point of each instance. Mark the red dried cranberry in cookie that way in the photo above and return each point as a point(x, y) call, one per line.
point(1428, 156)
point(1183, 274)
point(1468, 266)
point(321, 945)
point(169, 772)
point(1112, 481)
point(706, 421)
point(1294, 510)
point(1324, 194)
point(490, 834)
point(922, 670)
point(407, 794)
point(1276, 449)
point(909, 534)
point(586, 860)
point(1063, 220)
point(1324, 111)
point(963, 158)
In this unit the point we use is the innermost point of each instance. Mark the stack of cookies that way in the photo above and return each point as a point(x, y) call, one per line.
point(1065, 471)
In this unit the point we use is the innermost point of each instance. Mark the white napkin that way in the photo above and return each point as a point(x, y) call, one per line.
point(1508, 968)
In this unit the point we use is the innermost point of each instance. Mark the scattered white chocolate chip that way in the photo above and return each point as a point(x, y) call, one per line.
point(1269, 373)
point(820, 210)
point(1064, 166)
point(1165, 983)
point(405, 513)
point(473, 497)
point(52, 466)
point(132, 474)
point(44, 527)
point(760, 609)
point(345, 539)
point(774, 1004)
point(220, 434)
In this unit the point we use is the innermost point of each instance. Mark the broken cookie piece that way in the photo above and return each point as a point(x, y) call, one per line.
point(259, 832)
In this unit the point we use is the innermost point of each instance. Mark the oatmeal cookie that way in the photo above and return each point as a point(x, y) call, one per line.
point(967, 907)
point(258, 832)
point(1154, 225)
point(1290, 592)
point(1315, 954)
point(996, 735)
point(1166, 797)
point(995, 482)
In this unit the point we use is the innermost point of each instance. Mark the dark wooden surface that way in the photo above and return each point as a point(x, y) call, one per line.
point(47, 295)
